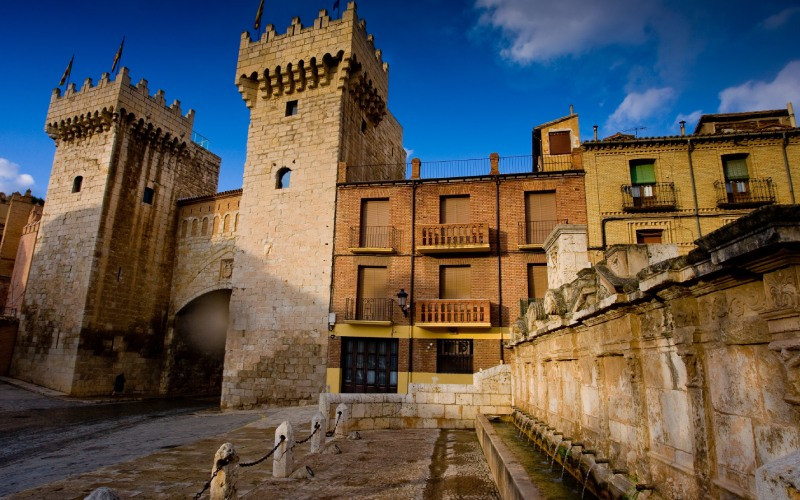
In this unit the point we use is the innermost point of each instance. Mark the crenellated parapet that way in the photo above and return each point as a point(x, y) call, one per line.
point(333, 53)
point(95, 108)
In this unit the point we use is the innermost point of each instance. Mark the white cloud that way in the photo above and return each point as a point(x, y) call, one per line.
point(10, 178)
point(775, 21)
point(638, 106)
point(691, 119)
point(755, 94)
point(409, 152)
point(541, 30)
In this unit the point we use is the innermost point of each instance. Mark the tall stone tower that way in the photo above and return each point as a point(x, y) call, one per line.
point(317, 96)
point(98, 289)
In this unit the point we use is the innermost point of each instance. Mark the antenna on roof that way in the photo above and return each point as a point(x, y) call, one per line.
point(635, 130)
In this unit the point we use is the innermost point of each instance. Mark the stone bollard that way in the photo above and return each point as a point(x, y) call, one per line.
point(318, 439)
point(223, 484)
point(103, 493)
point(283, 459)
point(343, 418)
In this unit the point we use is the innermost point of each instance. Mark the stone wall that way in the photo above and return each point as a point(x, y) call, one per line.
point(22, 263)
point(427, 406)
point(684, 373)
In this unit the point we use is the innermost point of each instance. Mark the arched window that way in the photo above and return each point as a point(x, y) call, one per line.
point(204, 229)
point(215, 226)
point(77, 182)
point(282, 178)
point(184, 228)
point(226, 223)
point(194, 227)
point(236, 222)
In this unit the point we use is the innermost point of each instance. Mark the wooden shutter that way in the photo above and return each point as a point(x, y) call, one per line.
point(643, 173)
point(374, 223)
point(736, 169)
point(372, 283)
point(540, 206)
point(649, 236)
point(537, 280)
point(455, 282)
point(560, 143)
point(454, 210)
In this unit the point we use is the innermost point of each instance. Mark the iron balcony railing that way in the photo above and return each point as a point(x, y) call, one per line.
point(535, 232)
point(648, 197)
point(361, 309)
point(377, 237)
point(745, 192)
point(470, 236)
point(453, 312)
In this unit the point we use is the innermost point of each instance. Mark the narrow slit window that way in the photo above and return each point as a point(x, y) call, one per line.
point(291, 108)
point(149, 194)
point(363, 126)
point(283, 178)
point(77, 183)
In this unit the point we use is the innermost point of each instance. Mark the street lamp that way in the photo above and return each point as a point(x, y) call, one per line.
point(402, 301)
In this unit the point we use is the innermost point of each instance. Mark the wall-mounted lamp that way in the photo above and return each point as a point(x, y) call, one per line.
point(402, 301)
point(331, 321)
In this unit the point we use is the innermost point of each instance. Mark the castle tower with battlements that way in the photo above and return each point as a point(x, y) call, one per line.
point(317, 96)
point(99, 282)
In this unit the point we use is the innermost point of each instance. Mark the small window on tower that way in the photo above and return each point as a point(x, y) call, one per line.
point(363, 126)
point(149, 194)
point(77, 183)
point(291, 108)
point(282, 178)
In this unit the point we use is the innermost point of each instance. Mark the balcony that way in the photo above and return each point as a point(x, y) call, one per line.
point(372, 239)
point(369, 311)
point(443, 313)
point(648, 197)
point(533, 233)
point(745, 193)
point(453, 238)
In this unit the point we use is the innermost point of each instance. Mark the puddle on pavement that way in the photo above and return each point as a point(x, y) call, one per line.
point(545, 476)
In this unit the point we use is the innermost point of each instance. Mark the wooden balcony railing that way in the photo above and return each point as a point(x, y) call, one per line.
point(368, 310)
point(648, 197)
point(745, 193)
point(533, 233)
point(453, 313)
point(372, 239)
point(450, 238)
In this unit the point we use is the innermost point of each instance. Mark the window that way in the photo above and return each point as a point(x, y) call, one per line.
point(204, 230)
point(374, 230)
point(454, 209)
point(194, 227)
point(372, 302)
point(537, 281)
point(643, 179)
point(737, 177)
point(77, 182)
point(540, 216)
point(369, 365)
point(291, 108)
point(560, 143)
point(454, 356)
point(649, 236)
point(363, 126)
point(455, 282)
point(149, 194)
point(283, 178)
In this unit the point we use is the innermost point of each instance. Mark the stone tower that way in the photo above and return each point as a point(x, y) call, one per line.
point(317, 97)
point(98, 289)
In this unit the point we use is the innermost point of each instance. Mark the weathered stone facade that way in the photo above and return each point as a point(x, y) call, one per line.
point(99, 283)
point(684, 372)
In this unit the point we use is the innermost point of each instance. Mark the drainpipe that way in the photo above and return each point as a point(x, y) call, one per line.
point(689, 148)
point(499, 267)
point(788, 171)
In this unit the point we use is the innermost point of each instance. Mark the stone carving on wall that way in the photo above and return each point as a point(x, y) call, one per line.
point(782, 289)
point(225, 269)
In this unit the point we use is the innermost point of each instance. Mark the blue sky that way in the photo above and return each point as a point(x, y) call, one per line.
point(466, 77)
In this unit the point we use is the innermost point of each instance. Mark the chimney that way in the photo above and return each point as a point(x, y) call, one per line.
point(683, 127)
point(571, 110)
point(790, 109)
point(594, 127)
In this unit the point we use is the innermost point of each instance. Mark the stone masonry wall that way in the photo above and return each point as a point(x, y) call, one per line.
point(277, 340)
point(682, 375)
point(427, 406)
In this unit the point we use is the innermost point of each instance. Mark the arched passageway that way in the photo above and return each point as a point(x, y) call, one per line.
point(198, 346)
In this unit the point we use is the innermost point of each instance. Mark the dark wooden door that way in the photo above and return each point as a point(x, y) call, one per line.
point(369, 365)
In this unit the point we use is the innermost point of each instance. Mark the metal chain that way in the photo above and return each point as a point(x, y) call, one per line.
point(331, 433)
point(222, 463)
point(250, 464)
point(316, 428)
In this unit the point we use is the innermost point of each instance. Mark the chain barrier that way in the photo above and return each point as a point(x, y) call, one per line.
point(331, 433)
point(250, 464)
point(220, 465)
point(316, 428)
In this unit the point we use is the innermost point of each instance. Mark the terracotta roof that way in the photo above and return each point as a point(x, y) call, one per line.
point(209, 197)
